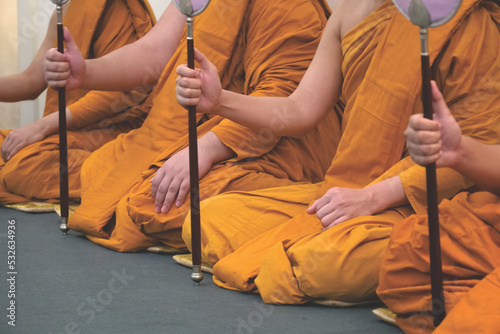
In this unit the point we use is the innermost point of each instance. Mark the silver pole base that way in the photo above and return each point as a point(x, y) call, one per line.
point(197, 275)
point(64, 225)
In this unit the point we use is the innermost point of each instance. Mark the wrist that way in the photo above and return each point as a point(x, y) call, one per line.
point(463, 153)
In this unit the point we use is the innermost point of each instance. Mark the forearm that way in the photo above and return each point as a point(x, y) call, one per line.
point(49, 124)
point(480, 163)
point(387, 194)
point(211, 146)
point(282, 115)
point(138, 64)
point(20, 87)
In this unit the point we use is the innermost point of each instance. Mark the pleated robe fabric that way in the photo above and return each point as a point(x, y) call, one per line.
point(470, 244)
point(98, 27)
point(260, 48)
point(265, 241)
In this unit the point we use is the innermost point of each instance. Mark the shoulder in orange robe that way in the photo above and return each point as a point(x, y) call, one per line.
point(470, 247)
point(261, 48)
point(98, 27)
point(291, 261)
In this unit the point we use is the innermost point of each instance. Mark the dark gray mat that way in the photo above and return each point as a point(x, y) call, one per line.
point(67, 284)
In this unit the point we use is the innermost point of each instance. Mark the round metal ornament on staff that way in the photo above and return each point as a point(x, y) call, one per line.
point(63, 145)
point(427, 14)
point(192, 8)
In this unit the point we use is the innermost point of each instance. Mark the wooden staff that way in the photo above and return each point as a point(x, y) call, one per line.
point(418, 13)
point(197, 275)
point(186, 8)
point(63, 144)
point(438, 301)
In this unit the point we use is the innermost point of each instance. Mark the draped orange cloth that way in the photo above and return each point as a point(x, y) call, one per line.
point(470, 244)
point(98, 27)
point(290, 261)
point(260, 48)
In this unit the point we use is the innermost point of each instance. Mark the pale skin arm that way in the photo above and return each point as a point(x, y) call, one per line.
point(134, 65)
point(29, 84)
point(441, 141)
point(171, 182)
point(316, 94)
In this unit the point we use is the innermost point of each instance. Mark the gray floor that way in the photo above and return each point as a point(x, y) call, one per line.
point(67, 284)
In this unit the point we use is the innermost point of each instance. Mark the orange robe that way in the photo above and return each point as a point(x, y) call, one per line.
point(293, 260)
point(470, 244)
point(263, 49)
point(98, 27)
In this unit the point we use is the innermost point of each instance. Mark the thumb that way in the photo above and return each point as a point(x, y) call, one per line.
point(438, 102)
point(71, 46)
point(202, 60)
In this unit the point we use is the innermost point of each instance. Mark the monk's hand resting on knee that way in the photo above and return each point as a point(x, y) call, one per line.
point(20, 138)
point(200, 87)
point(341, 204)
point(65, 70)
point(436, 140)
point(171, 181)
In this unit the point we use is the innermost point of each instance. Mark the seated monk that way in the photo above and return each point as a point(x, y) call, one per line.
point(134, 188)
point(327, 240)
point(29, 164)
point(470, 236)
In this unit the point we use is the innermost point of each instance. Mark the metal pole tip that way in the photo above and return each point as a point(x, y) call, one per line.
point(64, 225)
point(197, 275)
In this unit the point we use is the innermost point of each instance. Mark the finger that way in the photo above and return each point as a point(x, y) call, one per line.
point(424, 160)
point(55, 56)
point(183, 191)
point(161, 193)
point(188, 83)
point(418, 122)
point(186, 72)
point(425, 148)
point(155, 182)
point(324, 211)
point(312, 209)
point(170, 196)
point(14, 150)
point(335, 222)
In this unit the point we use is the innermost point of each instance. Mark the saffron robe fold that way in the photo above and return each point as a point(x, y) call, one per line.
point(98, 27)
point(260, 48)
point(294, 260)
point(470, 245)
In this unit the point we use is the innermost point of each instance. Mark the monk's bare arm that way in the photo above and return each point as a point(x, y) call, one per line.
point(29, 84)
point(132, 66)
point(316, 94)
point(128, 67)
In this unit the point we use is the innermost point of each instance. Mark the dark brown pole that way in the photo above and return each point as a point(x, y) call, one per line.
point(196, 276)
point(63, 145)
point(438, 302)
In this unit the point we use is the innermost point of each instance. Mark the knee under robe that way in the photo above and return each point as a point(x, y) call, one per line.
point(470, 247)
